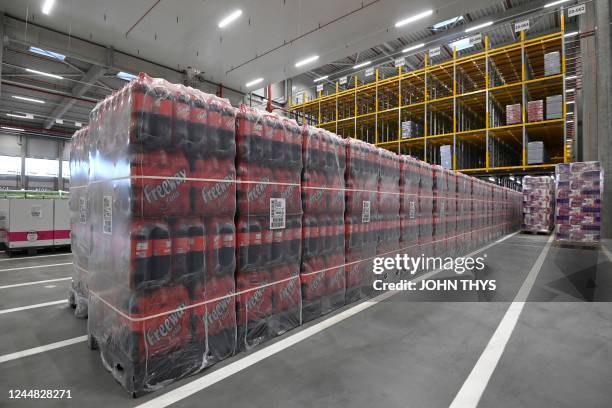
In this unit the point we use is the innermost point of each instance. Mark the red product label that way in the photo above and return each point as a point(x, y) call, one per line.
point(180, 245)
point(162, 106)
point(141, 249)
point(161, 247)
point(142, 102)
point(196, 244)
point(199, 115)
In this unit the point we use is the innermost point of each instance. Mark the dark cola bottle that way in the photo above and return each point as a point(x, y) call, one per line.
point(151, 250)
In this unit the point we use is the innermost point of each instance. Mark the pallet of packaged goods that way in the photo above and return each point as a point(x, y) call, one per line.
point(554, 107)
point(322, 273)
point(578, 189)
point(535, 111)
point(552, 63)
point(410, 210)
point(536, 153)
point(388, 217)
point(538, 204)
point(513, 114)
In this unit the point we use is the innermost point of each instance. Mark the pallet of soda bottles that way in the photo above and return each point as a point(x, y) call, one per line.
point(538, 204)
point(218, 228)
point(578, 193)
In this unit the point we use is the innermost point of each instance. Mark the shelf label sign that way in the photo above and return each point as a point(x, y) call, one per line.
point(400, 62)
point(576, 10)
point(320, 88)
point(343, 80)
point(434, 52)
point(521, 26)
point(369, 72)
point(476, 39)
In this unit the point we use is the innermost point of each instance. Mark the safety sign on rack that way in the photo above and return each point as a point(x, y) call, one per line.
point(400, 62)
point(434, 52)
point(476, 39)
point(342, 80)
point(369, 72)
point(278, 214)
point(576, 10)
point(521, 26)
point(320, 88)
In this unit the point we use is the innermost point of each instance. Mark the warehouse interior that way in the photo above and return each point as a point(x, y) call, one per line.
point(501, 110)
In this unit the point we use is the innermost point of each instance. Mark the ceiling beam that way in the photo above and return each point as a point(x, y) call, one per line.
point(91, 76)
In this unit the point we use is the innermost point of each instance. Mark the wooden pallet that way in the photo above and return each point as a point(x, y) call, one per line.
point(540, 232)
point(577, 245)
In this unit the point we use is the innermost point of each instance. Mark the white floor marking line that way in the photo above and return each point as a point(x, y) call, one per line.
point(16, 285)
point(606, 252)
point(35, 267)
point(21, 258)
point(41, 349)
point(207, 380)
point(19, 309)
point(472, 389)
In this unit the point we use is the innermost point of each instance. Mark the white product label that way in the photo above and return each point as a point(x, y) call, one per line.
point(476, 39)
point(521, 26)
point(320, 88)
point(434, 52)
point(343, 80)
point(32, 236)
point(82, 210)
point(412, 210)
point(576, 10)
point(107, 214)
point(36, 211)
point(369, 72)
point(400, 62)
point(365, 215)
point(278, 214)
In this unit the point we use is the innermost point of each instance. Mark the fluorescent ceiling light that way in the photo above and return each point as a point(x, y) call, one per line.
point(47, 5)
point(512, 178)
point(78, 124)
point(414, 47)
point(569, 78)
point(491, 179)
point(126, 76)
point(570, 121)
point(12, 115)
point(461, 44)
point(12, 128)
point(319, 79)
point(414, 18)
point(363, 64)
point(479, 26)
point(447, 22)
point(569, 113)
point(233, 16)
point(554, 3)
point(569, 102)
point(573, 33)
point(570, 90)
point(48, 53)
point(306, 61)
point(44, 73)
point(254, 82)
point(23, 98)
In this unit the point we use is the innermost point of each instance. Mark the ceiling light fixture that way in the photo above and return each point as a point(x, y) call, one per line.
point(461, 44)
point(13, 115)
point(414, 47)
point(47, 53)
point(445, 23)
point(254, 82)
point(306, 61)
point(47, 6)
point(319, 79)
point(414, 18)
point(12, 128)
point(126, 76)
point(569, 78)
point(569, 102)
point(554, 3)
point(23, 98)
point(44, 73)
point(570, 90)
point(363, 64)
point(479, 26)
point(227, 20)
point(571, 34)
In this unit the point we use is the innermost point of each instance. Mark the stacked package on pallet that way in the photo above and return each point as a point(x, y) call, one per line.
point(410, 129)
point(579, 189)
point(322, 272)
point(162, 194)
point(410, 210)
point(513, 114)
point(268, 224)
point(426, 209)
point(479, 211)
point(464, 213)
point(362, 173)
point(451, 213)
point(538, 204)
point(554, 107)
point(552, 63)
point(440, 209)
point(535, 111)
point(79, 221)
point(388, 214)
point(536, 152)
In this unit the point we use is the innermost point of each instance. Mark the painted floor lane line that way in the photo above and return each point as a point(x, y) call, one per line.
point(16, 285)
point(472, 389)
point(35, 267)
point(222, 373)
point(27, 258)
point(19, 309)
point(41, 349)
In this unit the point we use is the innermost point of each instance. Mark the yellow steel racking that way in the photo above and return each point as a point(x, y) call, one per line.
point(477, 86)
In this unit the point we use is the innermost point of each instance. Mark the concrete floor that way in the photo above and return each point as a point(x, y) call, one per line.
point(410, 350)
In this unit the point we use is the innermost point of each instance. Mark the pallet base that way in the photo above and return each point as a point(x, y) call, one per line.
point(577, 245)
point(539, 232)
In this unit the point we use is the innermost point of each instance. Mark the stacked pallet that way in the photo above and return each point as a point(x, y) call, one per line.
point(513, 114)
point(552, 63)
point(538, 204)
point(554, 107)
point(535, 111)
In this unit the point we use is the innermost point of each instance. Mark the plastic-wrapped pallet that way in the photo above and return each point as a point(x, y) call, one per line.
point(440, 209)
point(162, 194)
point(513, 114)
point(361, 215)
point(80, 224)
point(388, 208)
point(536, 153)
point(464, 213)
point(554, 107)
point(451, 213)
point(446, 156)
point(410, 129)
point(578, 202)
point(535, 111)
point(322, 272)
point(410, 210)
point(552, 63)
point(538, 204)
point(269, 225)
point(426, 209)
